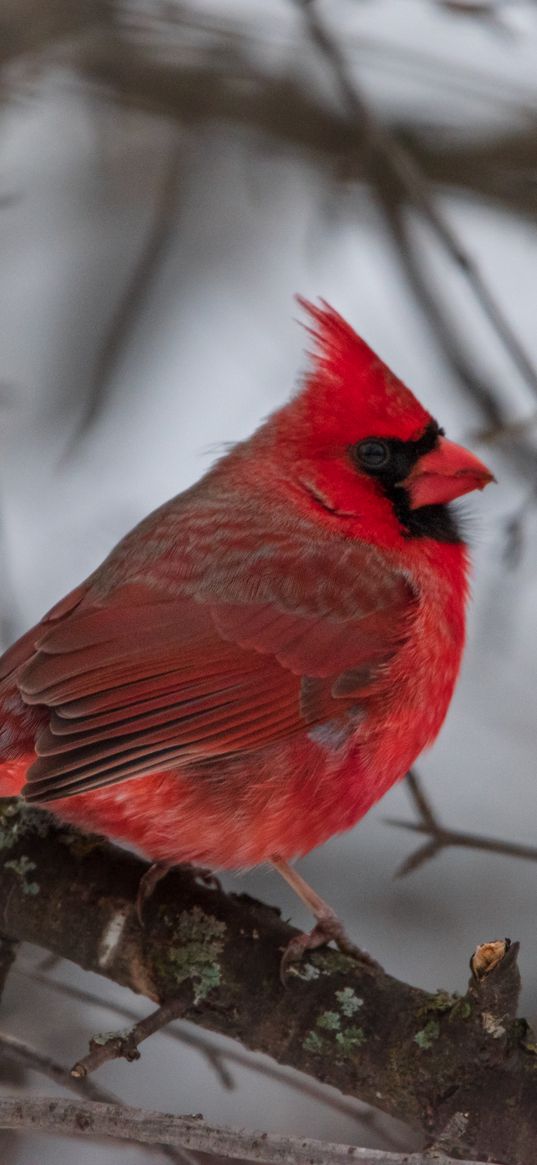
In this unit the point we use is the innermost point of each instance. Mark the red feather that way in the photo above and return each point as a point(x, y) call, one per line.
point(265, 654)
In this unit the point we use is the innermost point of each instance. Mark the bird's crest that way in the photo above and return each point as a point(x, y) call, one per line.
point(355, 378)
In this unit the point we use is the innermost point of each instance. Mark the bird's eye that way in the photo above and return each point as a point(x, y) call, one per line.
point(373, 454)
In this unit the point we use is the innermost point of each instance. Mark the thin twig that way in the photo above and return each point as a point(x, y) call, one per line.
point(88, 1118)
point(418, 793)
point(21, 1053)
point(442, 838)
point(226, 82)
point(457, 838)
point(404, 170)
point(124, 1045)
point(216, 1056)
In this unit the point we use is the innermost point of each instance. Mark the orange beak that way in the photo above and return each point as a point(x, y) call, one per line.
point(448, 472)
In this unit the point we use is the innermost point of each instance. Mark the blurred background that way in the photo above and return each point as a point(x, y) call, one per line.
point(171, 175)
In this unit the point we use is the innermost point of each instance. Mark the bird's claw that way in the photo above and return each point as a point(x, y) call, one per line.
point(146, 886)
point(327, 929)
point(203, 874)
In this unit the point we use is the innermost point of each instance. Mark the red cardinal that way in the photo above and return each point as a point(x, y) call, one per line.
point(259, 660)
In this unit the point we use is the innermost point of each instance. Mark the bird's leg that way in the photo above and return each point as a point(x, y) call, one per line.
point(328, 926)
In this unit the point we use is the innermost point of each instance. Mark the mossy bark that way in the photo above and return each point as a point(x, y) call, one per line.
point(464, 1070)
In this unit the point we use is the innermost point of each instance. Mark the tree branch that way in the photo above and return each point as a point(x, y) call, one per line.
point(228, 85)
point(31, 1058)
point(424, 1058)
point(125, 1045)
point(219, 1057)
point(91, 1119)
point(15, 1051)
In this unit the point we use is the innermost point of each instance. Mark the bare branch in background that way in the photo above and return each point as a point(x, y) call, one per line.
point(14, 1051)
point(31, 26)
point(19, 1052)
point(515, 527)
point(8, 954)
point(87, 1118)
point(469, 7)
point(486, 11)
point(125, 318)
point(442, 838)
point(401, 168)
point(226, 85)
point(437, 312)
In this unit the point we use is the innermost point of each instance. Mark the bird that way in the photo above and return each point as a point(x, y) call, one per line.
point(260, 659)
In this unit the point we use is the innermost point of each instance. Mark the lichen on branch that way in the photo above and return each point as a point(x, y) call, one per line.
point(423, 1057)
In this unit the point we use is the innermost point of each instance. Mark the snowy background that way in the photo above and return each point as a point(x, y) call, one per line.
point(208, 347)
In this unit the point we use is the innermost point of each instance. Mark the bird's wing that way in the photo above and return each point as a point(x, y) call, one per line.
point(142, 680)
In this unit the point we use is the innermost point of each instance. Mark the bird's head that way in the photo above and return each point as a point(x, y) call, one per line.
point(357, 439)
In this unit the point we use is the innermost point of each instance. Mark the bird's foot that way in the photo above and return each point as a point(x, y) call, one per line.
point(328, 928)
point(206, 876)
point(150, 880)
